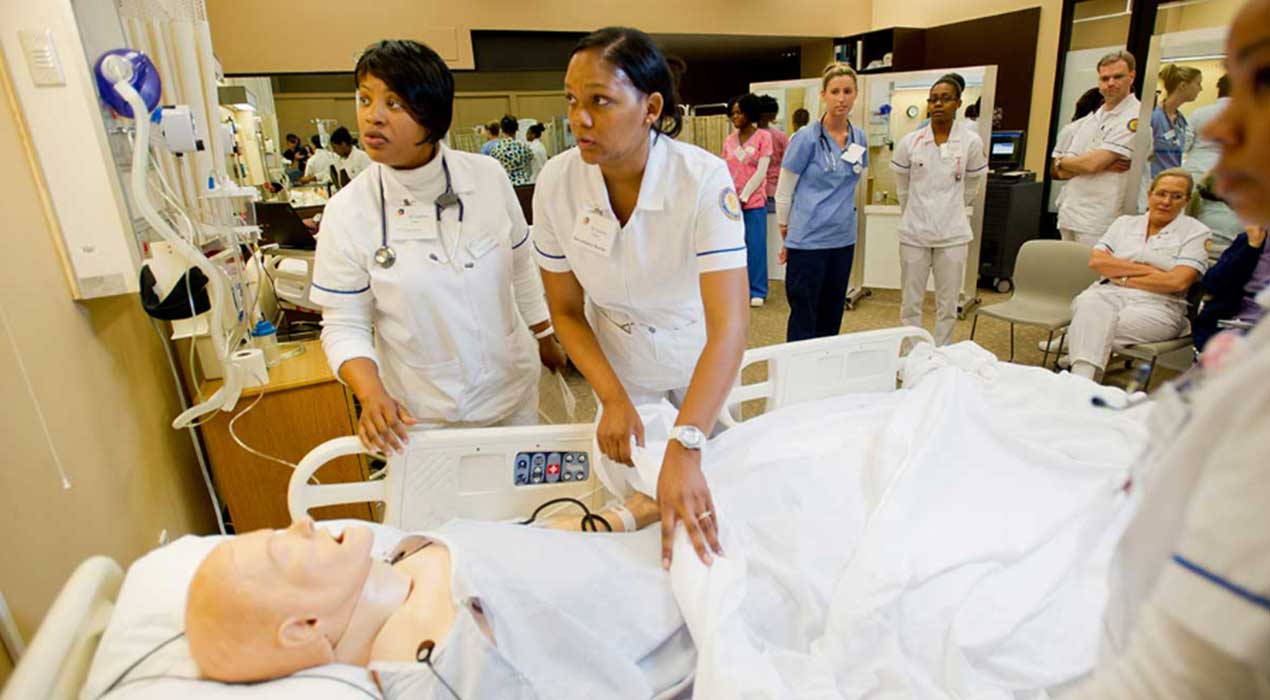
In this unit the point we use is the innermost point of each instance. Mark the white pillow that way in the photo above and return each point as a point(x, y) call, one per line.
point(150, 611)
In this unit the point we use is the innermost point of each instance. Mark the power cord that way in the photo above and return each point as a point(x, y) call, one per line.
point(589, 519)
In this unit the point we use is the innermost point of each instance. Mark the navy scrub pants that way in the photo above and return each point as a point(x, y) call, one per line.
point(816, 286)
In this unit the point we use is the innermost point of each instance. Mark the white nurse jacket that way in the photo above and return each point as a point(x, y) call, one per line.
point(642, 279)
point(451, 316)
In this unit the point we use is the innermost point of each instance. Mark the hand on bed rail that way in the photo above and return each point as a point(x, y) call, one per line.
point(383, 422)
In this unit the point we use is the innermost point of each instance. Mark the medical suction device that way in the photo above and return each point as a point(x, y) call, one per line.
point(129, 83)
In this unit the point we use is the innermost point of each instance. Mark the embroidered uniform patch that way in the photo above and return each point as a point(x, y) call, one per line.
point(730, 205)
point(1133, 125)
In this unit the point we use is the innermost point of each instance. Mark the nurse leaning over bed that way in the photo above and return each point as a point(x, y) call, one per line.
point(428, 247)
point(640, 240)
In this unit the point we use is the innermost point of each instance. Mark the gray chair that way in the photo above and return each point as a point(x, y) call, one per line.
point(1047, 277)
point(1157, 351)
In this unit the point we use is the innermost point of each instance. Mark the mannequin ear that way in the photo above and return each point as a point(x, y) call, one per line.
point(298, 632)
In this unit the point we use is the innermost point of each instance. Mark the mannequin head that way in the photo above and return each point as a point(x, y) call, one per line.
point(270, 603)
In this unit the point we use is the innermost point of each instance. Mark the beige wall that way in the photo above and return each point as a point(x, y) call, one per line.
point(259, 37)
point(102, 382)
point(927, 13)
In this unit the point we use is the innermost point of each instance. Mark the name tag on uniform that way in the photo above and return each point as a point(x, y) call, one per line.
point(414, 221)
point(1170, 135)
point(854, 153)
point(595, 232)
point(944, 151)
point(481, 246)
point(740, 153)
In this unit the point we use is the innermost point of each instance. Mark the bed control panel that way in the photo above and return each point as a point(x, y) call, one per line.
point(551, 467)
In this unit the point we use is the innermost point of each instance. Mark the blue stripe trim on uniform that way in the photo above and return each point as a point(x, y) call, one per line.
point(901, 165)
point(522, 241)
point(977, 169)
point(341, 291)
point(1183, 257)
point(1258, 600)
point(546, 254)
point(720, 250)
point(1100, 244)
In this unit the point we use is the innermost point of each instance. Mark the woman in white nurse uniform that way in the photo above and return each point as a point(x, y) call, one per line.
point(429, 248)
point(643, 255)
point(937, 173)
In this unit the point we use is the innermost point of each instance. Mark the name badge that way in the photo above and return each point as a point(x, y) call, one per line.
point(595, 232)
point(1170, 135)
point(413, 221)
point(740, 153)
point(853, 154)
point(944, 151)
point(481, 246)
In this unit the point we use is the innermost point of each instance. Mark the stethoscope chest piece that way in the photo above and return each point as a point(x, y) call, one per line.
point(385, 257)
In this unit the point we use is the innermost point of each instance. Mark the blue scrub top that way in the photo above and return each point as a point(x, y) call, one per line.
point(823, 214)
point(1170, 141)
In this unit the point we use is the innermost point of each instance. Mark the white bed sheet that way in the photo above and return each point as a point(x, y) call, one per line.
point(948, 540)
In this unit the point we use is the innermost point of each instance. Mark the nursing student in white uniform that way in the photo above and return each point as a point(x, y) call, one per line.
point(429, 248)
point(1189, 611)
point(1147, 263)
point(1100, 153)
point(640, 240)
point(937, 173)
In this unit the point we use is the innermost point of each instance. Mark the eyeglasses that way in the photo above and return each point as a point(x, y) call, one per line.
point(940, 99)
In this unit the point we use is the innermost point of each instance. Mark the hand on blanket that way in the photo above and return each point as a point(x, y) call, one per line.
point(684, 496)
point(618, 422)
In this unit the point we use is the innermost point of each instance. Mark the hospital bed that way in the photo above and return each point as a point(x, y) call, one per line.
point(482, 473)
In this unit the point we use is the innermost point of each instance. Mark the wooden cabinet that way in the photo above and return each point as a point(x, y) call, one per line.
point(302, 406)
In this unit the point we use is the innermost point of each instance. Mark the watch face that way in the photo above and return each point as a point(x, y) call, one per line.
point(690, 437)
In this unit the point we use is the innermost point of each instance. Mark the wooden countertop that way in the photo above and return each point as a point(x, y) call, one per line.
point(307, 369)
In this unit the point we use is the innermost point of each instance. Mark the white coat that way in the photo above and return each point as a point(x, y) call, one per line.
point(935, 183)
point(1091, 202)
point(642, 280)
point(450, 335)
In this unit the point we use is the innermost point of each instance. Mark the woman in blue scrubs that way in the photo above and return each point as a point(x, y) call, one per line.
point(815, 207)
point(1169, 128)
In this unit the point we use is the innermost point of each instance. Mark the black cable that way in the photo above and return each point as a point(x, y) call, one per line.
point(424, 656)
point(116, 683)
point(588, 518)
point(294, 676)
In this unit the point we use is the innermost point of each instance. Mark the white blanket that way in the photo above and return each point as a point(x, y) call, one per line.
point(949, 540)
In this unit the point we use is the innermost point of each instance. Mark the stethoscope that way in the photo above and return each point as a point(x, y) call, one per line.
point(385, 256)
point(857, 168)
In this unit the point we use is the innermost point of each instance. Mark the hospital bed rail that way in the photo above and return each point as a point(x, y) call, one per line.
point(56, 663)
point(811, 370)
point(471, 472)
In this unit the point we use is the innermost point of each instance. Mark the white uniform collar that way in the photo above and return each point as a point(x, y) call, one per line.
point(652, 188)
point(425, 175)
point(928, 133)
point(1129, 103)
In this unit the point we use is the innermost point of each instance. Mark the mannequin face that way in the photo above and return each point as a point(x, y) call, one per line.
point(609, 116)
point(266, 604)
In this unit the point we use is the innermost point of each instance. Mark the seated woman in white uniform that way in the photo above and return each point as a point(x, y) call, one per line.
point(1147, 263)
point(430, 249)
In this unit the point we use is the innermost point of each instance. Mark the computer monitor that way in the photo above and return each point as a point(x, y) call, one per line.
point(1006, 150)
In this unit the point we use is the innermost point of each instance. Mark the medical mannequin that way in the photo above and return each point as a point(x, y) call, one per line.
point(1147, 263)
point(269, 603)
